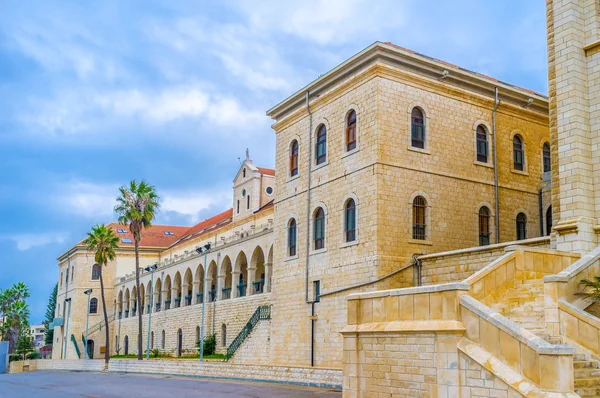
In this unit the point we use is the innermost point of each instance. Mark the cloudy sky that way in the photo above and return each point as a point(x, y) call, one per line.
point(95, 93)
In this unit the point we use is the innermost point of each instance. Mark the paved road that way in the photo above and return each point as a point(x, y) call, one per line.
point(51, 384)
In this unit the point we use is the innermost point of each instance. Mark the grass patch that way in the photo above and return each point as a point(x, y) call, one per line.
point(124, 356)
point(196, 356)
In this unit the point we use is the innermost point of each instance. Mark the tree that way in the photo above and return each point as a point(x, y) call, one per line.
point(24, 341)
point(14, 313)
point(137, 205)
point(50, 310)
point(103, 241)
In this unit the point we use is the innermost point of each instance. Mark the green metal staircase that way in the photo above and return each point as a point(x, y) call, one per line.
point(261, 313)
point(74, 340)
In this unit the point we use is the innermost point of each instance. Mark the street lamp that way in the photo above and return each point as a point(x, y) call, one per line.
point(87, 319)
point(68, 300)
point(151, 269)
point(204, 250)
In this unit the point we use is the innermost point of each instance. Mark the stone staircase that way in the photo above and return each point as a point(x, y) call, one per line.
point(523, 303)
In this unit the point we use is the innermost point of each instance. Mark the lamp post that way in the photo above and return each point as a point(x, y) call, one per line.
point(200, 250)
point(151, 269)
point(68, 300)
point(87, 319)
point(119, 332)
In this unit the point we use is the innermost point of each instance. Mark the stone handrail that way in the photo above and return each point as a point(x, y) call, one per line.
point(579, 326)
point(521, 263)
point(547, 365)
point(586, 267)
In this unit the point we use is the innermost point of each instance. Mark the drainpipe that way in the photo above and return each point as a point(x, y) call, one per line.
point(541, 210)
point(312, 334)
point(308, 195)
point(496, 194)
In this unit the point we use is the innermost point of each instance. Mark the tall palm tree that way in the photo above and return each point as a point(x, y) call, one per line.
point(103, 241)
point(137, 206)
point(15, 312)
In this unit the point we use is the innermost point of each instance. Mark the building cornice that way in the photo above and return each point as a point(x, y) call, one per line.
point(422, 66)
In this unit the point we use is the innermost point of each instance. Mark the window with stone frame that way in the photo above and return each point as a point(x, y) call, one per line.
point(546, 157)
point(95, 272)
point(419, 207)
point(482, 144)
point(521, 226)
point(94, 306)
point(549, 221)
point(484, 226)
point(292, 237)
point(321, 145)
point(350, 220)
point(294, 158)
point(319, 229)
point(351, 131)
point(518, 153)
point(417, 128)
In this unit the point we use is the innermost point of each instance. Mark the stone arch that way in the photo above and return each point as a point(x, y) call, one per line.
point(211, 281)
point(127, 301)
point(188, 287)
point(158, 294)
point(240, 275)
point(142, 298)
point(269, 270)
point(134, 305)
point(199, 282)
point(119, 303)
point(167, 288)
point(149, 292)
point(226, 273)
point(257, 275)
point(178, 291)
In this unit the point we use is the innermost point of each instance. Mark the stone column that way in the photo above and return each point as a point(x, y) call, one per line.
point(164, 299)
point(184, 293)
point(174, 296)
point(146, 302)
point(220, 286)
point(251, 280)
point(268, 271)
point(235, 281)
point(131, 306)
point(195, 291)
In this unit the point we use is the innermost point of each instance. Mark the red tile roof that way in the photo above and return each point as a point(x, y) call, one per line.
point(456, 67)
point(219, 220)
point(152, 237)
point(269, 172)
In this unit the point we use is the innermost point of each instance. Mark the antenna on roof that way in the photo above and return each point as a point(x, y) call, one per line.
point(240, 160)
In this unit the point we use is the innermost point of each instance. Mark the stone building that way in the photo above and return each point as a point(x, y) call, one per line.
point(384, 242)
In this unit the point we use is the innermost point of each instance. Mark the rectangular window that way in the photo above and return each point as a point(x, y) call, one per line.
point(351, 137)
point(292, 239)
point(482, 148)
point(317, 289)
point(321, 151)
point(519, 159)
point(418, 134)
point(319, 233)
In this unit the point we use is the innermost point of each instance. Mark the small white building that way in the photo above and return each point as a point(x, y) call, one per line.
point(38, 332)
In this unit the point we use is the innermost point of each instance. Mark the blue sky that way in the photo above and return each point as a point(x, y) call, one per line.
point(95, 93)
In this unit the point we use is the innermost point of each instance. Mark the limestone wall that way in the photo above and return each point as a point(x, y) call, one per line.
point(256, 349)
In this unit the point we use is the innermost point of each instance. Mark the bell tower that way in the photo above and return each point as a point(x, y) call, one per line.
point(574, 87)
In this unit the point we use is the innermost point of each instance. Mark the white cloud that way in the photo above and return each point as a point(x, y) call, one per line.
point(28, 241)
point(96, 201)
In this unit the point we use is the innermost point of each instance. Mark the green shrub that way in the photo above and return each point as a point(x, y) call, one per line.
point(34, 355)
point(210, 345)
point(15, 357)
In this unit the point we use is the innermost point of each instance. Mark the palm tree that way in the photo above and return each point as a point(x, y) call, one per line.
point(103, 241)
point(15, 312)
point(137, 205)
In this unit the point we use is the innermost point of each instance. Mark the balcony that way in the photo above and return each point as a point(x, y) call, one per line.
point(57, 322)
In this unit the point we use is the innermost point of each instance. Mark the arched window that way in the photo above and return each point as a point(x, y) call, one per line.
point(546, 157)
point(549, 220)
point(95, 272)
point(126, 345)
point(163, 340)
point(319, 229)
point(294, 158)
point(198, 335)
point(248, 202)
point(152, 340)
point(292, 237)
point(518, 153)
point(417, 129)
point(67, 276)
point(224, 335)
point(482, 144)
point(521, 226)
point(94, 306)
point(350, 220)
point(179, 342)
point(244, 173)
point(419, 218)
point(484, 226)
point(238, 206)
point(321, 145)
point(351, 131)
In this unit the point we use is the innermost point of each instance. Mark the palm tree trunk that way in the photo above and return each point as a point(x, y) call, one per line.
point(107, 348)
point(138, 299)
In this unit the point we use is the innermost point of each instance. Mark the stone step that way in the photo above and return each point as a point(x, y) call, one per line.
point(588, 392)
point(584, 364)
point(586, 373)
point(588, 382)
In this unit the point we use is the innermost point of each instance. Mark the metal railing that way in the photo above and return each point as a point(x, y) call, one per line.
point(199, 298)
point(261, 313)
point(97, 327)
point(226, 293)
point(259, 286)
point(242, 289)
point(74, 340)
point(212, 295)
